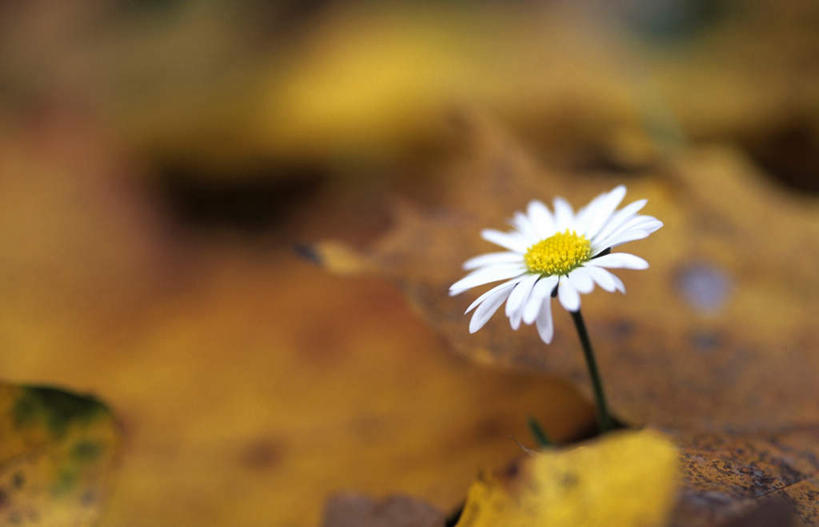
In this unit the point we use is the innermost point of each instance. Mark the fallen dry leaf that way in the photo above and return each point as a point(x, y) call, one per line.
point(729, 472)
point(769, 512)
point(56, 456)
point(626, 479)
point(684, 353)
point(678, 352)
point(351, 510)
point(219, 332)
point(226, 389)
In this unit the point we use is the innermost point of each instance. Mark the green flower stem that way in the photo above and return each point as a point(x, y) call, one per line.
point(538, 433)
point(604, 421)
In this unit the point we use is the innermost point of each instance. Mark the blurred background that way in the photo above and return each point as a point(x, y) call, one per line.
point(160, 160)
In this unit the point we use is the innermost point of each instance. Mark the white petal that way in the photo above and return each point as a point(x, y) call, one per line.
point(514, 320)
point(493, 258)
point(504, 286)
point(641, 222)
point(636, 223)
point(627, 236)
point(564, 217)
point(545, 327)
point(620, 286)
point(605, 279)
point(486, 275)
point(521, 222)
point(655, 225)
point(581, 280)
point(583, 215)
point(618, 219)
point(508, 240)
point(568, 295)
point(542, 289)
point(598, 214)
point(487, 309)
point(541, 218)
point(519, 295)
point(651, 225)
point(619, 261)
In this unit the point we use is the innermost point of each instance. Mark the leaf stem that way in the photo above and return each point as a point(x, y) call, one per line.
point(604, 421)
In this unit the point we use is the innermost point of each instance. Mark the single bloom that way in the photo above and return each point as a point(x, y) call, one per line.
point(554, 253)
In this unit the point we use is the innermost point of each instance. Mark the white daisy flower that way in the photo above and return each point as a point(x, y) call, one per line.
point(554, 253)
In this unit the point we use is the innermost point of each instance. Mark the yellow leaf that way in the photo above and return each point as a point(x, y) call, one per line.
point(626, 480)
point(56, 452)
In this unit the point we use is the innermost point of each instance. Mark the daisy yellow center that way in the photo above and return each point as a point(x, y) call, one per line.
point(558, 254)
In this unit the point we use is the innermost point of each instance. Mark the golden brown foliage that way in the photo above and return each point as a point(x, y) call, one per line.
point(677, 351)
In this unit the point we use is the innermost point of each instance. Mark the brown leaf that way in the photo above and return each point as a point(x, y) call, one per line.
point(352, 510)
point(242, 376)
point(769, 512)
point(686, 350)
point(717, 335)
point(727, 473)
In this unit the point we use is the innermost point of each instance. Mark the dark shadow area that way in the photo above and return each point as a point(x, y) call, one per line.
point(251, 202)
point(789, 153)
